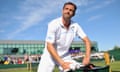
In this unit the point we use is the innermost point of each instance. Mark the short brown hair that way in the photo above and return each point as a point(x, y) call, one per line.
point(70, 3)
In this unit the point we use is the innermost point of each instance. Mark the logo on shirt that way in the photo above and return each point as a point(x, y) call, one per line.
point(72, 28)
point(49, 37)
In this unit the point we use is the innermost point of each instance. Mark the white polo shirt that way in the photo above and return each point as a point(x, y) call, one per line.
point(61, 37)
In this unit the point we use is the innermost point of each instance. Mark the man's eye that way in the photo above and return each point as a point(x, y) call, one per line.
point(71, 10)
point(66, 8)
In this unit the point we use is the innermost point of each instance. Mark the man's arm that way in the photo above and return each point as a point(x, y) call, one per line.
point(54, 54)
point(86, 59)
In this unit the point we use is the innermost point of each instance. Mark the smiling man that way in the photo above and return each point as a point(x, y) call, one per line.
point(60, 34)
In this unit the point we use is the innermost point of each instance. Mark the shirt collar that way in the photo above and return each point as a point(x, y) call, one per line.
point(62, 23)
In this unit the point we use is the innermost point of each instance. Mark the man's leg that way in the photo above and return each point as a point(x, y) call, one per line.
point(46, 65)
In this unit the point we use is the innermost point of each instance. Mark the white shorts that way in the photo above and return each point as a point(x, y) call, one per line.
point(46, 64)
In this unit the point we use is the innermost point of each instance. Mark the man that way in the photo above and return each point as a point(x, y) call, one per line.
point(60, 34)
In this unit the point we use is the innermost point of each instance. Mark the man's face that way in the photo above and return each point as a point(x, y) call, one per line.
point(68, 11)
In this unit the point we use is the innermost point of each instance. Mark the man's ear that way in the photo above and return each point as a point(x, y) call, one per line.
point(73, 13)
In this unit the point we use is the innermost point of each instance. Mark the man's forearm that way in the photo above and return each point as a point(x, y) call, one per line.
point(53, 53)
point(86, 59)
point(88, 46)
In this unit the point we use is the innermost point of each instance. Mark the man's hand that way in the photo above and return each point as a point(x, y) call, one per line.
point(66, 65)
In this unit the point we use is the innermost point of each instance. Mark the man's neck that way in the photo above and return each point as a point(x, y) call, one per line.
point(66, 22)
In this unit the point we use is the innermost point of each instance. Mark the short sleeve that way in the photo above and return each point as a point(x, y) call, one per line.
point(50, 33)
point(80, 32)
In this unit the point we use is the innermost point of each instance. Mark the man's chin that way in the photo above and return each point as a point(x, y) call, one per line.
point(67, 17)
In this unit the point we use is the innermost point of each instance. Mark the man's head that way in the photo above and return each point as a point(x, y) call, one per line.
point(70, 3)
point(69, 9)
